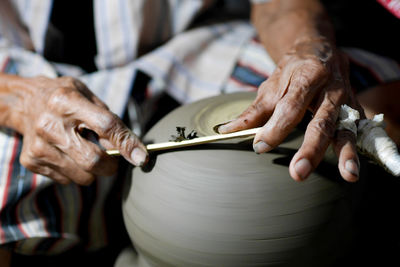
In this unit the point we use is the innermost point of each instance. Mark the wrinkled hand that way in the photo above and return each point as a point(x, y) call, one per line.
point(54, 114)
point(313, 76)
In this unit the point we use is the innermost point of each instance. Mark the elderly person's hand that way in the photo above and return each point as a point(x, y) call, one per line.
point(51, 114)
point(313, 75)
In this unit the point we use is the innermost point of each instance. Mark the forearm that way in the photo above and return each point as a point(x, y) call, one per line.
point(282, 23)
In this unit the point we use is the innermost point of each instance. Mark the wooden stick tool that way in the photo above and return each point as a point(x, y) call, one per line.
point(195, 141)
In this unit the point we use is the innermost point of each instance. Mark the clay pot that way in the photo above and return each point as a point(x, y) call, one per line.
point(224, 205)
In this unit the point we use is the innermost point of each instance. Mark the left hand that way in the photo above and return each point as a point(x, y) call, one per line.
point(313, 75)
point(53, 116)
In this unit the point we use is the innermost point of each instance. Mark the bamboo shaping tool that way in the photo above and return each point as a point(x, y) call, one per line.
point(195, 141)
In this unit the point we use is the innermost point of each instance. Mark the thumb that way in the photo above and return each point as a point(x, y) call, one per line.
point(129, 146)
point(113, 133)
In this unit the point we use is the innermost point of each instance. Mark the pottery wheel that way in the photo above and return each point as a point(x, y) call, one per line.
point(224, 205)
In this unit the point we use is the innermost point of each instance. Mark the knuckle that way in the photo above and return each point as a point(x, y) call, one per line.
point(325, 127)
point(33, 165)
point(316, 72)
point(27, 161)
point(41, 80)
point(317, 64)
point(46, 172)
point(68, 80)
point(289, 105)
point(109, 124)
point(37, 149)
point(72, 82)
point(289, 110)
point(332, 102)
point(344, 136)
point(126, 138)
point(302, 79)
point(262, 87)
point(255, 108)
point(45, 125)
point(329, 103)
point(342, 95)
point(314, 153)
point(316, 68)
point(59, 98)
point(84, 179)
point(79, 84)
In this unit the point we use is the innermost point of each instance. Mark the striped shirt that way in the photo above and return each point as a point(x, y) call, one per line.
point(39, 216)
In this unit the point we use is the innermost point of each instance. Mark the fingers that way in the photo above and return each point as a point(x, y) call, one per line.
point(90, 157)
point(286, 95)
point(126, 142)
point(310, 154)
point(81, 87)
point(254, 116)
point(46, 171)
point(87, 155)
point(318, 136)
point(53, 145)
point(44, 159)
point(85, 114)
point(68, 167)
point(262, 107)
point(109, 127)
point(288, 112)
point(345, 149)
point(302, 83)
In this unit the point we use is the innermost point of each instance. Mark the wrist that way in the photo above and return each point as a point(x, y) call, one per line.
point(12, 102)
point(319, 47)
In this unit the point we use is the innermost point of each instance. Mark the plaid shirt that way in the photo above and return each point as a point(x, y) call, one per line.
point(40, 216)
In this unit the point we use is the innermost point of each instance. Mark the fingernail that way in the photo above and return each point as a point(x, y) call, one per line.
point(261, 147)
point(138, 156)
point(352, 167)
point(222, 127)
point(303, 168)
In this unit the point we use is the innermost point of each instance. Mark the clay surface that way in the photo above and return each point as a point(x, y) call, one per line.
point(223, 205)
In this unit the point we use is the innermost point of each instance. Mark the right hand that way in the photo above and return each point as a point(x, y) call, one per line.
point(51, 115)
point(313, 75)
